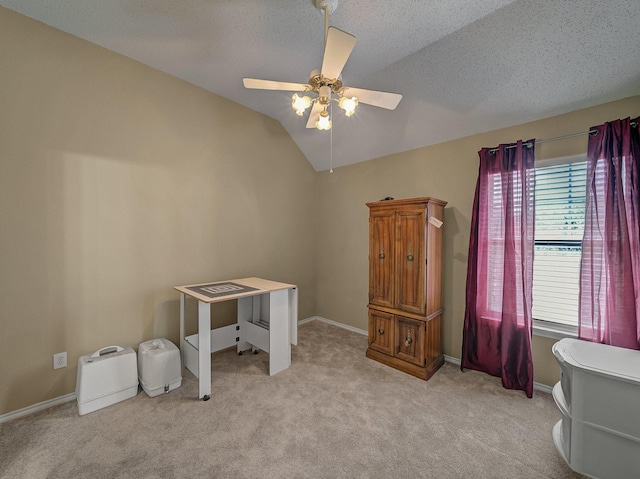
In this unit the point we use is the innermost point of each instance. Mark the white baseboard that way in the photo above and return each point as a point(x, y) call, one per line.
point(307, 320)
point(334, 323)
point(452, 360)
point(543, 388)
point(536, 386)
point(449, 359)
point(41, 406)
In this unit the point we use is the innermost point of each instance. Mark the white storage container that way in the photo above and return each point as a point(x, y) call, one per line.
point(106, 377)
point(159, 367)
point(598, 396)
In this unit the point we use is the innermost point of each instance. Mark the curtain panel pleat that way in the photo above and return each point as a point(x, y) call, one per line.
point(498, 321)
point(609, 305)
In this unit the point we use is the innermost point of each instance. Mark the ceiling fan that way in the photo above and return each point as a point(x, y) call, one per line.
point(326, 81)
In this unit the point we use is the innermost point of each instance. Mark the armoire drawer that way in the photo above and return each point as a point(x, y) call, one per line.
point(409, 340)
point(381, 331)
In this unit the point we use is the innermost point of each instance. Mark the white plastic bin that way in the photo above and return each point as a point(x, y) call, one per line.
point(159, 367)
point(106, 377)
point(598, 395)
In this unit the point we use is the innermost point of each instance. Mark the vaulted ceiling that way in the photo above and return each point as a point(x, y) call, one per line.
point(462, 66)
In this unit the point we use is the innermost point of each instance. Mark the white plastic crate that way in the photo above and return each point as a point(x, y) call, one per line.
point(159, 367)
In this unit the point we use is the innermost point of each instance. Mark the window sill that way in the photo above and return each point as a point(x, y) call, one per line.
point(547, 329)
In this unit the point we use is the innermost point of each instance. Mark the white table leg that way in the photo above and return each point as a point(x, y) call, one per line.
point(182, 336)
point(204, 350)
point(293, 316)
point(279, 340)
point(245, 314)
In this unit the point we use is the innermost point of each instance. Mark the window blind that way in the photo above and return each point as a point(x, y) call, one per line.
point(560, 209)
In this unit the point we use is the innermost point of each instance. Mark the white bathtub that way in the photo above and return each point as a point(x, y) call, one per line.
point(599, 398)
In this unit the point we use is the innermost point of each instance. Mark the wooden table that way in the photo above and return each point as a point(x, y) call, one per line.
point(267, 320)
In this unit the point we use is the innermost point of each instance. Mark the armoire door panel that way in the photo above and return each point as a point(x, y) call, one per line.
point(381, 331)
point(381, 259)
point(409, 340)
point(410, 260)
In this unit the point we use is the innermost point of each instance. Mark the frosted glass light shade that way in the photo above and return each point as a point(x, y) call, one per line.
point(348, 104)
point(323, 122)
point(300, 103)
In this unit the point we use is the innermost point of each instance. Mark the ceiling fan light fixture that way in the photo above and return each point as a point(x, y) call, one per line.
point(324, 95)
point(349, 105)
point(300, 103)
point(324, 122)
point(325, 83)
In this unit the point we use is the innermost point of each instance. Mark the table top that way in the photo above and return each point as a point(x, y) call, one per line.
point(217, 291)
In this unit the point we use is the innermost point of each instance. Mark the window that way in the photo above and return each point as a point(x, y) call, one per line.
point(560, 209)
point(493, 251)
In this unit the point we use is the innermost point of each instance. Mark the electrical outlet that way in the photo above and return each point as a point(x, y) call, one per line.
point(60, 360)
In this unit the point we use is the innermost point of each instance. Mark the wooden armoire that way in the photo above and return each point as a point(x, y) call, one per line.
point(405, 284)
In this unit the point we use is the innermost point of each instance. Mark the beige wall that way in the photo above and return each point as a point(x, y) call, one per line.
point(447, 171)
point(117, 183)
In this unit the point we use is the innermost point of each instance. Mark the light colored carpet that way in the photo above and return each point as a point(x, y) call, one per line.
point(332, 414)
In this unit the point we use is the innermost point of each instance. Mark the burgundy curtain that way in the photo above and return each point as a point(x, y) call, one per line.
point(610, 266)
point(498, 323)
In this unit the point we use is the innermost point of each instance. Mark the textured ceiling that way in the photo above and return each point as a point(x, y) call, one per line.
point(462, 66)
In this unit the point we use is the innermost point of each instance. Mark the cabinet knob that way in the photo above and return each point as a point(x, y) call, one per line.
point(381, 331)
point(381, 255)
point(410, 257)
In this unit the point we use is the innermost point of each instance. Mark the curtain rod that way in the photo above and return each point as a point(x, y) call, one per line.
point(528, 144)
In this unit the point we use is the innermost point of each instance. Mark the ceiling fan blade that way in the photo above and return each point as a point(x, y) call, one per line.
point(382, 99)
point(274, 85)
point(336, 52)
point(315, 114)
